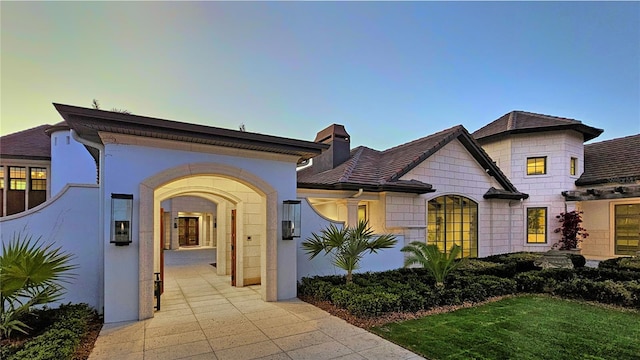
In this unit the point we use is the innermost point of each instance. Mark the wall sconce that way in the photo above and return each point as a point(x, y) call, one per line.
point(290, 219)
point(121, 217)
point(175, 223)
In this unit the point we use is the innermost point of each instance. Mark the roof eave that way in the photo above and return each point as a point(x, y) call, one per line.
point(368, 187)
point(588, 132)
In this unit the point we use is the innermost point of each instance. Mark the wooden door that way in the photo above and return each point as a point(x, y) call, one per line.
point(188, 231)
point(233, 247)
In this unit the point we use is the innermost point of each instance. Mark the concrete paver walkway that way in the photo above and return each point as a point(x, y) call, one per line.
point(203, 317)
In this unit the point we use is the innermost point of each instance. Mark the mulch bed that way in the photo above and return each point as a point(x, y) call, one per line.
point(369, 322)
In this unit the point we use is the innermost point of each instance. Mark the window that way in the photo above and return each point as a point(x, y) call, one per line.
point(39, 179)
point(17, 178)
point(362, 213)
point(537, 225)
point(537, 165)
point(453, 219)
point(573, 166)
point(1, 178)
point(627, 229)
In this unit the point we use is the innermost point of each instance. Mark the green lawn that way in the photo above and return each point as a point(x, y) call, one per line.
point(527, 327)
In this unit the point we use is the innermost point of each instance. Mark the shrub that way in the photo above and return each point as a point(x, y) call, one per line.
point(634, 290)
point(610, 263)
point(480, 267)
point(632, 264)
point(558, 274)
point(578, 260)
point(607, 291)
point(373, 304)
point(533, 282)
point(315, 288)
point(571, 229)
point(601, 274)
point(430, 257)
point(524, 261)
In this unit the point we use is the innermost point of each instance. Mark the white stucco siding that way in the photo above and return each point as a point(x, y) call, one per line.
point(68, 220)
point(71, 163)
point(128, 165)
point(313, 222)
point(452, 170)
point(500, 152)
point(599, 222)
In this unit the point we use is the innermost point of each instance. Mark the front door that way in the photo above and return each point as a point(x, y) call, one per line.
point(627, 229)
point(188, 231)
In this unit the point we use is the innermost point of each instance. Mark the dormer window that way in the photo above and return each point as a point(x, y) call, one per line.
point(537, 165)
point(573, 166)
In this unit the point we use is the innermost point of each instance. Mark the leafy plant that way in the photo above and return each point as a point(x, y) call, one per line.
point(347, 246)
point(430, 257)
point(30, 275)
point(571, 229)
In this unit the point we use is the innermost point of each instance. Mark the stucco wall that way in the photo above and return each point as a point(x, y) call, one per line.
point(128, 163)
point(71, 163)
point(70, 221)
point(313, 222)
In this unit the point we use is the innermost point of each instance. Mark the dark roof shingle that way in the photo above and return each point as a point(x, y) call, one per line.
point(371, 168)
point(32, 143)
point(615, 161)
point(519, 122)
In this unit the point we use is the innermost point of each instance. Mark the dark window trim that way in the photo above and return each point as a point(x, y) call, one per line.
point(544, 170)
point(546, 223)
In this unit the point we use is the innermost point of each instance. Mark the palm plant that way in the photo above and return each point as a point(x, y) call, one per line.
point(30, 275)
point(430, 257)
point(348, 245)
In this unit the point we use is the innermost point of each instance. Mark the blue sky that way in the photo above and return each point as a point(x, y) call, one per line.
point(390, 72)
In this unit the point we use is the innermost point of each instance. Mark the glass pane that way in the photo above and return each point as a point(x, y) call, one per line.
point(627, 229)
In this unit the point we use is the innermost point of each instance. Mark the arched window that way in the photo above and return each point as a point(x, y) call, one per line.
point(453, 219)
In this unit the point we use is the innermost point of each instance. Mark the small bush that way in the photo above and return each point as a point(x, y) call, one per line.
point(632, 264)
point(634, 290)
point(578, 260)
point(610, 263)
point(608, 292)
point(558, 274)
point(533, 282)
point(523, 261)
point(601, 274)
point(373, 304)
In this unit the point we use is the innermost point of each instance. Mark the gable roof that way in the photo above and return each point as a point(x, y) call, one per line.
point(611, 161)
point(89, 122)
point(32, 144)
point(374, 170)
point(522, 122)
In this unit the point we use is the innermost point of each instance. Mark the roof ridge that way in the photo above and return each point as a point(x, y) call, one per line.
point(553, 117)
point(30, 129)
point(441, 132)
point(352, 165)
point(614, 139)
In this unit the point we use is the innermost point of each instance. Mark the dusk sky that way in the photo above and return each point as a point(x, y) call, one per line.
point(390, 72)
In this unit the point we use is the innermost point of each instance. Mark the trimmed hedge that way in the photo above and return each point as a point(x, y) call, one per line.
point(68, 324)
point(412, 290)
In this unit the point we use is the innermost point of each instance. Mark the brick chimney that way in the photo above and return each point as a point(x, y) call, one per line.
point(339, 151)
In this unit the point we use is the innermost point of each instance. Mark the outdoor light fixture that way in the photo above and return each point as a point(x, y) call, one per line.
point(290, 219)
point(175, 223)
point(121, 215)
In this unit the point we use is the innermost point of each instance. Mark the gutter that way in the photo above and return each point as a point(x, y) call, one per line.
point(100, 148)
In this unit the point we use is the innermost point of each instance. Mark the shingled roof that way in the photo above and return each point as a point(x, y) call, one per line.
point(611, 161)
point(32, 144)
point(522, 122)
point(374, 170)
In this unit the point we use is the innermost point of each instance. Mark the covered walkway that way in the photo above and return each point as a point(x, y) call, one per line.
point(203, 317)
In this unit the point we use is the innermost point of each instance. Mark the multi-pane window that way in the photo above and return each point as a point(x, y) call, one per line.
point(453, 219)
point(573, 166)
point(627, 230)
point(1, 178)
point(537, 165)
point(38, 178)
point(17, 178)
point(537, 225)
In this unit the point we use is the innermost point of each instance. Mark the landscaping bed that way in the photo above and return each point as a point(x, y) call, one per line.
point(65, 333)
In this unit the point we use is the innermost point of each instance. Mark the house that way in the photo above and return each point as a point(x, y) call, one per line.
point(124, 188)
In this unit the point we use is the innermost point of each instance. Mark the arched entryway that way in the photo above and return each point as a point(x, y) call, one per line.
point(254, 204)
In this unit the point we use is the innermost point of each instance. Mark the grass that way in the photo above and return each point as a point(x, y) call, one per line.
point(526, 327)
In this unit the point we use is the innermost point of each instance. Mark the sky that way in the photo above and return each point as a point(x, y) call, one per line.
point(390, 72)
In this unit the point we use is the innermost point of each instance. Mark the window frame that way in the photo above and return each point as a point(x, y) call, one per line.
point(40, 182)
point(573, 166)
point(366, 212)
point(14, 180)
point(545, 229)
point(544, 166)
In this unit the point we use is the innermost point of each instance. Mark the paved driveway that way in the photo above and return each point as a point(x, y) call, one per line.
point(203, 317)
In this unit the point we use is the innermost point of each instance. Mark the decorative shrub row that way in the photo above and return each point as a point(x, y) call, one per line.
point(621, 263)
point(378, 293)
point(69, 324)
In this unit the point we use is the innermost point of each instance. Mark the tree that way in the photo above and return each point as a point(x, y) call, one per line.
point(438, 263)
point(30, 275)
point(347, 246)
point(572, 231)
point(96, 105)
